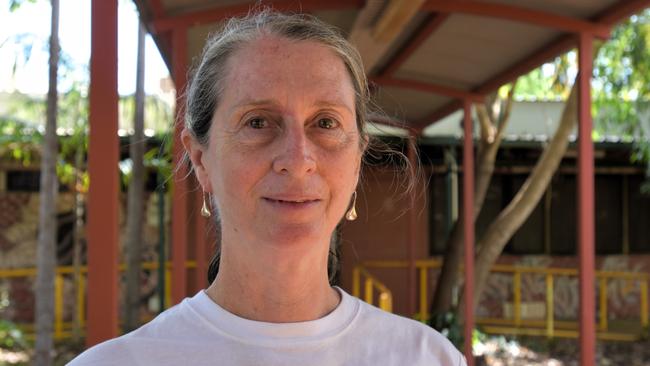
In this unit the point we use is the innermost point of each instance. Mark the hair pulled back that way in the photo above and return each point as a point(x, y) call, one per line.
point(207, 83)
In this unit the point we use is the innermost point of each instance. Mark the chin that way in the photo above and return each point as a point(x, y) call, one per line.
point(297, 234)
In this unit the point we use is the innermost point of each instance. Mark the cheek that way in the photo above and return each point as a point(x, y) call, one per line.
point(235, 175)
point(343, 171)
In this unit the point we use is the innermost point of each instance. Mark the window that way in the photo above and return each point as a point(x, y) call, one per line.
point(23, 180)
point(609, 215)
point(563, 215)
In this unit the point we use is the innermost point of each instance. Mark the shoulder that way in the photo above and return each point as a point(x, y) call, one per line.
point(149, 340)
point(397, 332)
point(106, 353)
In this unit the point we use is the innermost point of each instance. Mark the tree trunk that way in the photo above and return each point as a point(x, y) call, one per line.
point(135, 198)
point(47, 225)
point(491, 137)
point(78, 234)
point(515, 214)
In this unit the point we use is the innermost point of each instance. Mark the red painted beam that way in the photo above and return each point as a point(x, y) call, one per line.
point(560, 45)
point(468, 228)
point(544, 54)
point(586, 225)
point(164, 43)
point(180, 191)
point(519, 14)
point(222, 12)
point(103, 155)
point(157, 8)
point(428, 87)
point(439, 114)
point(431, 24)
point(610, 16)
point(390, 122)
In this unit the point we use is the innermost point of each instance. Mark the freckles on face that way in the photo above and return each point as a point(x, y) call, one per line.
point(284, 144)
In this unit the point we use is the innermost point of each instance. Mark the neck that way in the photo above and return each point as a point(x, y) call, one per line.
point(261, 282)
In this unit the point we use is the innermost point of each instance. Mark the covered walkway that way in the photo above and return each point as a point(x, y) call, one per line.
point(428, 58)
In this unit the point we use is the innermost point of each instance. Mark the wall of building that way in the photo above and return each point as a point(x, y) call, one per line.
point(381, 233)
point(19, 209)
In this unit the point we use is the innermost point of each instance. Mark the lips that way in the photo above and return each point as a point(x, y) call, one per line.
point(292, 200)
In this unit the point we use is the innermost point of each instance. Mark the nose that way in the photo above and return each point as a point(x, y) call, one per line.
point(295, 154)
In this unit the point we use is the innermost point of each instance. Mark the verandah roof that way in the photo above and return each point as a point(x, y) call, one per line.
point(428, 58)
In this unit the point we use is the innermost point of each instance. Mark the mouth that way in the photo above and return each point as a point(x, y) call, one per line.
point(292, 201)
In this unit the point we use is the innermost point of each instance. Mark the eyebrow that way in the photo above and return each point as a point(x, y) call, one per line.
point(335, 105)
point(255, 103)
point(275, 103)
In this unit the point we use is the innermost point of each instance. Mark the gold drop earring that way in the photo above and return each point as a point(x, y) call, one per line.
point(351, 215)
point(205, 209)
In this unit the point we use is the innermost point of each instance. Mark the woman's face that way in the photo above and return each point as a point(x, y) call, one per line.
point(284, 150)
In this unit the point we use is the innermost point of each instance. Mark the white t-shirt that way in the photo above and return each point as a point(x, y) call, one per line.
point(199, 332)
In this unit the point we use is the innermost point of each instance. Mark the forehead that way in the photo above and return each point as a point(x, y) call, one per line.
point(275, 67)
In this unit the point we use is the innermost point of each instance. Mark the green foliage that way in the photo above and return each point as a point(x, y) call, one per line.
point(22, 132)
point(15, 4)
point(11, 337)
point(620, 86)
point(551, 81)
point(157, 113)
point(19, 140)
point(622, 68)
point(449, 326)
point(535, 86)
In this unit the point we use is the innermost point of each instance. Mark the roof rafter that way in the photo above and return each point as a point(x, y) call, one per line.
point(157, 9)
point(520, 14)
point(545, 53)
point(428, 87)
point(373, 42)
point(623, 10)
point(216, 14)
point(388, 121)
point(396, 15)
point(430, 25)
point(609, 16)
point(439, 114)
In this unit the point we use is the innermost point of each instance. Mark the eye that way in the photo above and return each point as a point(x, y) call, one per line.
point(258, 123)
point(326, 123)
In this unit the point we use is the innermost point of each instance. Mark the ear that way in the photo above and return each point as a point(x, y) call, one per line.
point(195, 152)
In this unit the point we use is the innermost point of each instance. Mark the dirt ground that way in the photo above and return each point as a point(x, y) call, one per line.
point(496, 351)
point(499, 351)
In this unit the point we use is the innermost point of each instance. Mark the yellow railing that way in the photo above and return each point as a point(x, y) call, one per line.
point(385, 297)
point(548, 326)
point(63, 329)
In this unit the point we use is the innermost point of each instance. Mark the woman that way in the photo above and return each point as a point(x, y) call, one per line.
point(275, 134)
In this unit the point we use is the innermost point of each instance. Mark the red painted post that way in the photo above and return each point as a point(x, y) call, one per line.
point(468, 229)
point(180, 191)
point(585, 212)
point(103, 155)
point(413, 228)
